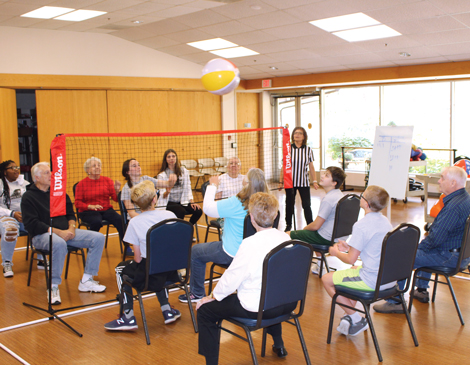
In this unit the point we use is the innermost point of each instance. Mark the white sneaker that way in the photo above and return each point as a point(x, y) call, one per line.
point(316, 268)
point(7, 271)
point(55, 297)
point(91, 286)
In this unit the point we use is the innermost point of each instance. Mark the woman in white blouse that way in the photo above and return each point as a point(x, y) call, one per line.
point(180, 196)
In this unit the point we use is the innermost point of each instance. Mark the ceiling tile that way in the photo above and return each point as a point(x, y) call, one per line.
point(16, 9)
point(459, 57)
point(163, 27)
point(254, 60)
point(133, 34)
point(20, 22)
point(415, 52)
point(180, 50)
point(202, 18)
point(338, 50)
point(49, 24)
point(357, 58)
point(191, 35)
point(226, 28)
point(75, 4)
point(447, 37)
point(157, 42)
point(175, 11)
point(323, 9)
point(451, 49)
point(314, 63)
point(320, 40)
point(379, 45)
point(300, 54)
point(283, 4)
point(318, 70)
point(201, 58)
point(429, 25)
point(269, 20)
point(294, 30)
point(463, 18)
point(249, 38)
point(142, 18)
point(274, 46)
point(113, 5)
point(421, 61)
point(452, 6)
point(366, 65)
point(403, 12)
point(242, 9)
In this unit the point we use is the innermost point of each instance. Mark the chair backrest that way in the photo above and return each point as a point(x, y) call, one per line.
point(398, 255)
point(285, 276)
point(189, 164)
point(123, 209)
point(465, 247)
point(204, 188)
point(169, 245)
point(221, 161)
point(347, 212)
point(206, 162)
point(249, 230)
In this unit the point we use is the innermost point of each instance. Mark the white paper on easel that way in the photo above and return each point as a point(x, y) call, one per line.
point(390, 160)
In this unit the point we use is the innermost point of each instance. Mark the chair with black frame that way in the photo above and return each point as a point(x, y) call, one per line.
point(125, 222)
point(46, 255)
point(168, 249)
point(212, 223)
point(447, 272)
point(396, 263)
point(285, 276)
point(347, 213)
point(87, 226)
point(248, 230)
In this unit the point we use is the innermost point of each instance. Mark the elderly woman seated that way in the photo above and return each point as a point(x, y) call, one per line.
point(244, 276)
point(92, 196)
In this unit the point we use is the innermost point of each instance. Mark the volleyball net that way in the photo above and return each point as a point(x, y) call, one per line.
point(202, 154)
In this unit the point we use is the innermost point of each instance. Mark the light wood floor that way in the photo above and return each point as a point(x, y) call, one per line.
point(442, 339)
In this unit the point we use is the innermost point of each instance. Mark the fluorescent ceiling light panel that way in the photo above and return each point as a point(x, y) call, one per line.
point(343, 22)
point(79, 15)
point(368, 33)
point(211, 44)
point(234, 52)
point(47, 12)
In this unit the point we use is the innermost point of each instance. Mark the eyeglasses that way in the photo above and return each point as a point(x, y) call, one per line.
point(13, 168)
point(362, 196)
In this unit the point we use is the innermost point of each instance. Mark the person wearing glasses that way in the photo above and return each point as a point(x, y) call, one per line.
point(12, 187)
point(302, 166)
point(231, 182)
point(366, 240)
point(320, 230)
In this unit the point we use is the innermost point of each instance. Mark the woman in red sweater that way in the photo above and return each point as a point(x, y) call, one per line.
point(92, 196)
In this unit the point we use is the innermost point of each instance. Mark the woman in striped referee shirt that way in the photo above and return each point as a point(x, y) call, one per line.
point(302, 166)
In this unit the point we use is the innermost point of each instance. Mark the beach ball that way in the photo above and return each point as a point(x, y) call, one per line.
point(220, 76)
point(465, 164)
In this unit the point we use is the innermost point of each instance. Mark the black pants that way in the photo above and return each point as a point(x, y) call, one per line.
point(209, 315)
point(290, 204)
point(181, 210)
point(95, 220)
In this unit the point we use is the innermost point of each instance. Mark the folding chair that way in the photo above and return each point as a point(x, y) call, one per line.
point(396, 263)
point(248, 230)
point(447, 272)
point(212, 223)
point(191, 165)
point(221, 164)
point(168, 249)
point(87, 226)
point(347, 212)
point(285, 276)
point(125, 222)
point(207, 166)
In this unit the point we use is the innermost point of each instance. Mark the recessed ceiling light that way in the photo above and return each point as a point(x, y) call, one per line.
point(234, 52)
point(80, 15)
point(273, 68)
point(137, 21)
point(211, 44)
point(368, 33)
point(404, 54)
point(47, 12)
point(256, 7)
point(343, 22)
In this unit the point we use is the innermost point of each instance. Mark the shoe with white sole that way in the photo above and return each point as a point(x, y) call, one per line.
point(91, 286)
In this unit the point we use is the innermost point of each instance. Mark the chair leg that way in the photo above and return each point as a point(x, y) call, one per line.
point(408, 318)
point(191, 310)
point(211, 277)
point(434, 289)
point(372, 331)
point(107, 233)
point(252, 346)
point(28, 242)
point(46, 270)
point(457, 307)
point(263, 343)
point(144, 320)
point(31, 267)
point(67, 265)
point(197, 232)
point(323, 261)
point(207, 234)
point(83, 259)
point(218, 231)
point(332, 316)
point(410, 305)
point(302, 341)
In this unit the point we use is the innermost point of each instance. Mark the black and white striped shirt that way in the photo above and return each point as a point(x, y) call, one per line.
point(301, 157)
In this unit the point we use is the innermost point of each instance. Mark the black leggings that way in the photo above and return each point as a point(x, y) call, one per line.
point(290, 204)
point(182, 210)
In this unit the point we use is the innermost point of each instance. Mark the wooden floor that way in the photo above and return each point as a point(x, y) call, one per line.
point(442, 339)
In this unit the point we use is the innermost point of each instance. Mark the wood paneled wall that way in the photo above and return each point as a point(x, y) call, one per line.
point(248, 111)
point(8, 126)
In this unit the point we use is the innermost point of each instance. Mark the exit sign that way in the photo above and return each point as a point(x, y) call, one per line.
point(266, 83)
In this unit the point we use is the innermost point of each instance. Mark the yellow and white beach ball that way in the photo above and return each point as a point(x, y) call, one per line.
point(220, 76)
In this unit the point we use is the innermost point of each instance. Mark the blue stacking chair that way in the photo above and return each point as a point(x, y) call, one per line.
point(396, 263)
point(168, 249)
point(285, 276)
point(447, 272)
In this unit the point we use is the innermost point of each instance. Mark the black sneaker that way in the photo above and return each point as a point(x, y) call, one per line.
point(171, 315)
point(194, 299)
point(421, 296)
point(122, 324)
point(288, 229)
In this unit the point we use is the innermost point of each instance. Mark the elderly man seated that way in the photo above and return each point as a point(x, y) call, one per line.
point(35, 206)
point(231, 182)
point(441, 246)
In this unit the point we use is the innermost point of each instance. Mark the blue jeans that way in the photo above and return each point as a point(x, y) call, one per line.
point(201, 254)
point(431, 258)
point(91, 240)
point(9, 247)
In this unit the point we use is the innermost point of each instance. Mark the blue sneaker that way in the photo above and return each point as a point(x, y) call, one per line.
point(122, 324)
point(194, 299)
point(171, 315)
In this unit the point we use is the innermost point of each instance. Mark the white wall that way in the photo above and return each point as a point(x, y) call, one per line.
point(53, 52)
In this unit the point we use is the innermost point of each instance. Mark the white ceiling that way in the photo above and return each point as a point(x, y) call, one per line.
point(433, 31)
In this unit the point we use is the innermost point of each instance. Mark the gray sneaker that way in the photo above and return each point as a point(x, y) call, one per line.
point(389, 308)
point(422, 296)
point(344, 325)
point(358, 327)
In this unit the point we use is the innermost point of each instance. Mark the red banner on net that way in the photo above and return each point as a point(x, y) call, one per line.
point(58, 177)
point(287, 160)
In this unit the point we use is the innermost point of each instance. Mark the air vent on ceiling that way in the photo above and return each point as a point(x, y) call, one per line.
point(115, 27)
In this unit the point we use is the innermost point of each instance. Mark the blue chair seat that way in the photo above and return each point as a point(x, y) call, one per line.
point(365, 294)
point(317, 247)
point(251, 323)
point(443, 269)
